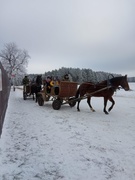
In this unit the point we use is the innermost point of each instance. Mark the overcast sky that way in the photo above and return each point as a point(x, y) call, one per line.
point(95, 34)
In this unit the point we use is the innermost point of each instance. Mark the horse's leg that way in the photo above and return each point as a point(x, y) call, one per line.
point(105, 104)
point(36, 97)
point(79, 94)
point(113, 102)
point(78, 105)
point(38, 89)
point(88, 101)
point(33, 96)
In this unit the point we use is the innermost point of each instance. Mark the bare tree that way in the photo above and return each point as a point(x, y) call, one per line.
point(14, 60)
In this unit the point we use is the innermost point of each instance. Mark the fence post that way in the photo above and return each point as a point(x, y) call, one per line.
point(4, 95)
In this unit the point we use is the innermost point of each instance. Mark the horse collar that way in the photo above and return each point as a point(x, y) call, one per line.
point(109, 82)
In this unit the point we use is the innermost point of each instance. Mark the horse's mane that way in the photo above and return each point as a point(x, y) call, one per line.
point(116, 78)
point(107, 81)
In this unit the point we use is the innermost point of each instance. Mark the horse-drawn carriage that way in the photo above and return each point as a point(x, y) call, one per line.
point(69, 94)
point(32, 88)
point(62, 94)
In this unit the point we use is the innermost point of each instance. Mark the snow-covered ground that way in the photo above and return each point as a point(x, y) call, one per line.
point(39, 143)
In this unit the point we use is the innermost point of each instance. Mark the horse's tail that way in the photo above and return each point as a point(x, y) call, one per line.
point(77, 93)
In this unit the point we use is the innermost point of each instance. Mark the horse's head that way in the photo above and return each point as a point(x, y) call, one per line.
point(124, 83)
point(120, 81)
point(39, 80)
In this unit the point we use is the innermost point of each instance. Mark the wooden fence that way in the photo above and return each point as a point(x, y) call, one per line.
point(4, 95)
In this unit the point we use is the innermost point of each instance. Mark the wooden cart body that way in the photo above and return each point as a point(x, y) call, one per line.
point(65, 92)
point(26, 91)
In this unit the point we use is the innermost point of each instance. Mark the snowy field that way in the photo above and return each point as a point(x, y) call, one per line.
point(39, 143)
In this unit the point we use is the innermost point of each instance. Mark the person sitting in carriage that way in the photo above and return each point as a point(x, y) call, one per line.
point(55, 84)
point(66, 78)
point(25, 82)
point(48, 85)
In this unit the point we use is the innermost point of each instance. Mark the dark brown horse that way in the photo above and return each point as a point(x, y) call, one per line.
point(109, 87)
point(36, 86)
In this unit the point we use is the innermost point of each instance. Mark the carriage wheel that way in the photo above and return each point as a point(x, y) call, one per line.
point(71, 102)
point(40, 101)
point(24, 95)
point(56, 104)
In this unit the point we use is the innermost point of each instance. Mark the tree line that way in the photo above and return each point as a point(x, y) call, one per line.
point(81, 75)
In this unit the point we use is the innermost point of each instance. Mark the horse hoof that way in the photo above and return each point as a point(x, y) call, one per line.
point(109, 109)
point(93, 110)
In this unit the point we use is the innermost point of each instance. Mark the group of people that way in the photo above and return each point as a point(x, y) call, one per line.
point(49, 82)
